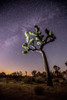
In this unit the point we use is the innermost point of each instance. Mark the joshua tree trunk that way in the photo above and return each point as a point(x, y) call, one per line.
point(49, 79)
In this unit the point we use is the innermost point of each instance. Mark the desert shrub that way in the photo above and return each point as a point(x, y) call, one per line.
point(39, 80)
point(56, 80)
point(39, 90)
point(28, 80)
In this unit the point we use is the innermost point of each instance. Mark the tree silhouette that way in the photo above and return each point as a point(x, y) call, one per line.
point(39, 73)
point(17, 73)
point(34, 72)
point(56, 68)
point(66, 63)
point(2, 74)
point(37, 43)
point(26, 73)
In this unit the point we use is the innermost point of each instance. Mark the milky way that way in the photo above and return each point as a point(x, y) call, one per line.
point(16, 17)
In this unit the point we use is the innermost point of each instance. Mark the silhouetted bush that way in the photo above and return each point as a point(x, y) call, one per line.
point(39, 90)
point(39, 80)
point(28, 80)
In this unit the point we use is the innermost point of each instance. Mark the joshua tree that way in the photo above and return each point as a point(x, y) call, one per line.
point(39, 73)
point(56, 68)
point(66, 63)
point(26, 73)
point(34, 72)
point(2, 74)
point(37, 43)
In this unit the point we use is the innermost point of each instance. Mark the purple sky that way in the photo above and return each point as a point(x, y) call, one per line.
point(19, 16)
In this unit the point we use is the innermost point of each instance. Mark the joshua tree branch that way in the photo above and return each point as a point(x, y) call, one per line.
point(46, 42)
point(33, 48)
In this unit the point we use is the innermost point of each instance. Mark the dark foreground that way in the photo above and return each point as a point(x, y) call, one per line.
point(22, 91)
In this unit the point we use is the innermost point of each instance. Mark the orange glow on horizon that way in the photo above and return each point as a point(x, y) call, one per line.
point(23, 73)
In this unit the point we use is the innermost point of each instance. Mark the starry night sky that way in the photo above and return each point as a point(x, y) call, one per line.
point(18, 16)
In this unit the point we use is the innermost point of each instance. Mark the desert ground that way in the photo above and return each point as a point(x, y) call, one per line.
point(13, 90)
